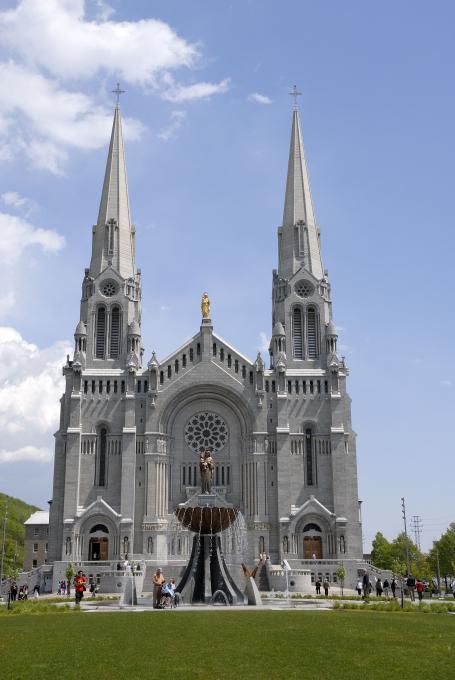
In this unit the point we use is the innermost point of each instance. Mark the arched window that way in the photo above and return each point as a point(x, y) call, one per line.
point(115, 332)
point(285, 544)
point(261, 545)
point(99, 527)
point(100, 336)
point(311, 527)
point(150, 544)
point(312, 334)
point(309, 457)
point(297, 333)
point(102, 458)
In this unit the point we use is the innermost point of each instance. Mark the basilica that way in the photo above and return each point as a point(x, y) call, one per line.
point(132, 427)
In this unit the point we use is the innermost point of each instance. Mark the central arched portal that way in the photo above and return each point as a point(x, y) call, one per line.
point(213, 419)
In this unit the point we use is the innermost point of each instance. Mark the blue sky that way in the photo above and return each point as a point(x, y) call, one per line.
point(206, 161)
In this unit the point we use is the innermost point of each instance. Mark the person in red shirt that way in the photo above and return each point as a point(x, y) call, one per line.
point(80, 582)
point(420, 589)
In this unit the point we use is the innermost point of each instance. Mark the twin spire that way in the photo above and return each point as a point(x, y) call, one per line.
point(301, 249)
point(113, 234)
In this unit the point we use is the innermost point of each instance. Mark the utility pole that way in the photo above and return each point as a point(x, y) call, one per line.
point(438, 571)
point(417, 526)
point(403, 510)
point(3, 546)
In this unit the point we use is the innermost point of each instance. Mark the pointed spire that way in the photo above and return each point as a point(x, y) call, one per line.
point(114, 234)
point(298, 209)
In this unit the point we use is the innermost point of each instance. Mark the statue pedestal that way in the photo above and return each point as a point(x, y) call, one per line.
point(206, 578)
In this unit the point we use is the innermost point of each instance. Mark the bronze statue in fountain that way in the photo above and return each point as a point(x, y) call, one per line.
point(206, 576)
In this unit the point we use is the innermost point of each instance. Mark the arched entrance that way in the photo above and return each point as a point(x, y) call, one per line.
point(312, 542)
point(98, 547)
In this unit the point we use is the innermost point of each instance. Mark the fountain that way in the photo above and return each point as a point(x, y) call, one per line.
point(206, 578)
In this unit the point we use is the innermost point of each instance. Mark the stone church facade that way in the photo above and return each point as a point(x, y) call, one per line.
point(130, 434)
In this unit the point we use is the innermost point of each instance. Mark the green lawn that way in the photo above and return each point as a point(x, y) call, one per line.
point(259, 645)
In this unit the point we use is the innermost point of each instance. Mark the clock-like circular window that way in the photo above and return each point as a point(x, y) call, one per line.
point(108, 288)
point(206, 431)
point(304, 288)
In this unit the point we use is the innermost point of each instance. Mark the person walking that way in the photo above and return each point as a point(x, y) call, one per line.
point(393, 586)
point(411, 584)
point(36, 591)
point(326, 586)
point(379, 588)
point(158, 581)
point(420, 589)
point(366, 585)
point(452, 585)
point(359, 587)
point(80, 583)
point(386, 587)
point(318, 587)
point(13, 591)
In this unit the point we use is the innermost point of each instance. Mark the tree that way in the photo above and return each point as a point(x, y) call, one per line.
point(444, 549)
point(381, 553)
point(69, 575)
point(341, 575)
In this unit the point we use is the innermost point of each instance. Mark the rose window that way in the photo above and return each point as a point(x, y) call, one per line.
point(304, 289)
point(109, 288)
point(206, 431)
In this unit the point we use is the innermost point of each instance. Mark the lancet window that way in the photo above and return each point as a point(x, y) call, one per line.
point(305, 333)
point(100, 334)
point(309, 467)
point(115, 332)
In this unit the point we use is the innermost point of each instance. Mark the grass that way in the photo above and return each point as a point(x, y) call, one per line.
point(215, 645)
point(47, 605)
point(395, 606)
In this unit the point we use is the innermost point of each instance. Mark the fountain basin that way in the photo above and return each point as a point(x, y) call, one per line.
point(207, 520)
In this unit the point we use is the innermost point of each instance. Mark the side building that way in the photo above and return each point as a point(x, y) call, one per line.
point(36, 540)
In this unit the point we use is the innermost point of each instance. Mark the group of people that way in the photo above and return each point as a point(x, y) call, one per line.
point(325, 584)
point(64, 588)
point(411, 587)
point(128, 567)
point(165, 595)
point(365, 587)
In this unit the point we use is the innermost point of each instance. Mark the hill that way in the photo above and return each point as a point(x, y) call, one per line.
point(18, 512)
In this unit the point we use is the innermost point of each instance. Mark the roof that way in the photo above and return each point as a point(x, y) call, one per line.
point(39, 517)
point(81, 329)
point(114, 205)
point(331, 328)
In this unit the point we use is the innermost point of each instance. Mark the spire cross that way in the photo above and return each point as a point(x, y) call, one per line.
point(118, 92)
point(295, 93)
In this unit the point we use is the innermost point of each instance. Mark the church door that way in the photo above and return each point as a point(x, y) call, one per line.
point(312, 547)
point(98, 549)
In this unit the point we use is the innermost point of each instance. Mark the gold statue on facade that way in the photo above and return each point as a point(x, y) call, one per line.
point(205, 306)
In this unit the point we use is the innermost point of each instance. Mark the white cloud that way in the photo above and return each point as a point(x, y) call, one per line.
point(170, 131)
point(30, 453)
point(7, 302)
point(446, 383)
point(55, 35)
point(259, 98)
point(31, 385)
point(41, 118)
point(53, 42)
point(264, 342)
point(16, 234)
point(12, 198)
point(185, 93)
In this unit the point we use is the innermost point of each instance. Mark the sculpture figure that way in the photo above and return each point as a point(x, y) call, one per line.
point(205, 306)
point(206, 467)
